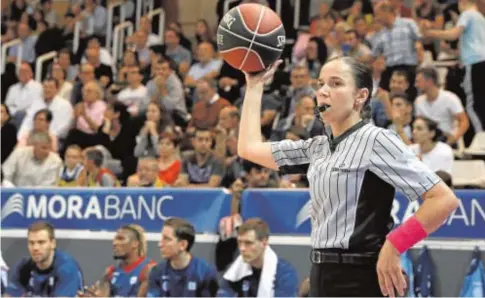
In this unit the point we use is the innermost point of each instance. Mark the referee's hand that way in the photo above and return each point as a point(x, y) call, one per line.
point(389, 271)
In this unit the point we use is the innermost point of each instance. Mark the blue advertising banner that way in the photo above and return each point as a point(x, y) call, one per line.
point(287, 212)
point(101, 209)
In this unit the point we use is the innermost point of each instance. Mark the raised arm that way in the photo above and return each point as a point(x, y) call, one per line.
point(250, 144)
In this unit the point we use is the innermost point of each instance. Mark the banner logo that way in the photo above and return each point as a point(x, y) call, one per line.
point(14, 204)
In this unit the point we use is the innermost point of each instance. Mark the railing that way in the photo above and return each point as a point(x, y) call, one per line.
point(39, 62)
point(161, 22)
point(142, 7)
point(118, 44)
point(6, 47)
point(109, 24)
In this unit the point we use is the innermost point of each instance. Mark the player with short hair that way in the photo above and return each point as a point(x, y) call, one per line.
point(258, 271)
point(130, 277)
point(48, 271)
point(180, 274)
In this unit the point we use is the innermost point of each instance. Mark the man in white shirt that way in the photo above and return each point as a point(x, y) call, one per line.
point(439, 105)
point(135, 96)
point(32, 166)
point(207, 67)
point(21, 95)
point(61, 109)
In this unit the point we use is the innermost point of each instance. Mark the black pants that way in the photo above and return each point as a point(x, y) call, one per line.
point(344, 280)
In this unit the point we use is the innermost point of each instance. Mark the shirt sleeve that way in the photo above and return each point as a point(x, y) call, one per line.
point(15, 287)
point(456, 106)
point(9, 167)
point(211, 285)
point(69, 282)
point(107, 180)
point(464, 20)
point(153, 286)
point(414, 30)
point(217, 169)
point(286, 284)
point(291, 153)
point(225, 289)
point(396, 164)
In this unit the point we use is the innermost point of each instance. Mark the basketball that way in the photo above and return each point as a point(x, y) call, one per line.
point(251, 37)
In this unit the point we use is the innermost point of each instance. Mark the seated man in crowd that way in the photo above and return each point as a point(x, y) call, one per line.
point(258, 271)
point(208, 67)
point(21, 95)
point(402, 117)
point(206, 110)
point(201, 169)
point(47, 272)
point(129, 278)
point(61, 111)
point(441, 106)
point(34, 165)
point(302, 117)
point(146, 174)
point(97, 175)
point(181, 274)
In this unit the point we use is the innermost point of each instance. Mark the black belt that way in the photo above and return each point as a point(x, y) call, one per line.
point(319, 256)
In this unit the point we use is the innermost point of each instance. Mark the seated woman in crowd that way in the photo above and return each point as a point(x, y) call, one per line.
point(42, 121)
point(65, 87)
point(169, 163)
point(157, 121)
point(438, 156)
point(116, 135)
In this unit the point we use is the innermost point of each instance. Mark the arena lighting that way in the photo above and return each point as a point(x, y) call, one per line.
point(6, 47)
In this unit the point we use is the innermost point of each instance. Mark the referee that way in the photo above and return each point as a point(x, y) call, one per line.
point(353, 175)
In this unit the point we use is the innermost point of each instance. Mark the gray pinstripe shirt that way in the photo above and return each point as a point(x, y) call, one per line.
point(353, 187)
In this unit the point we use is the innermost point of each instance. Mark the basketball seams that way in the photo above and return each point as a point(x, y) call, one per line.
point(270, 32)
point(261, 15)
point(243, 21)
point(247, 39)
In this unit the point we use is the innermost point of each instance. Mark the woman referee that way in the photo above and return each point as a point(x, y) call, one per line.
point(353, 175)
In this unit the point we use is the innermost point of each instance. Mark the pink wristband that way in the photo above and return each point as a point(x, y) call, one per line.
point(407, 234)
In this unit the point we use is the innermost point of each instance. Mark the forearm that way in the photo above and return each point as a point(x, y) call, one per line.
point(442, 34)
point(250, 125)
point(93, 125)
point(434, 211)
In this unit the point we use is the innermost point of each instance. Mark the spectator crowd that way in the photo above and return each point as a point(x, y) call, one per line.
point(167, 114)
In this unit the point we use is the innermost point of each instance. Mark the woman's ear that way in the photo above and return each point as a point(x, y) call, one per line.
point(362, 95)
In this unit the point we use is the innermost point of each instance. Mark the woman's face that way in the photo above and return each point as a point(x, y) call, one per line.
point(4, 115)
point(129, 58)
point(40, 123)
point(421, 132)
point(57, 72)
point(201, 28)
point(166, 147)
point(337, 89)
point(312, 50)
point(110, 113)
point(153, 113)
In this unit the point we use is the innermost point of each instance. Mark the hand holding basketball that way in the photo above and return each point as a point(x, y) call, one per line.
point(251, 37)
point(262, 77)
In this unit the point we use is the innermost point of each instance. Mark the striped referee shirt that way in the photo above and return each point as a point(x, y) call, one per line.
point(353, 179)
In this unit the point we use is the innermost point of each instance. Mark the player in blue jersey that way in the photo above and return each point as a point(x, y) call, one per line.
point(129, 278)
point(48, 271)
point(180, 274)
point(258, 271)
